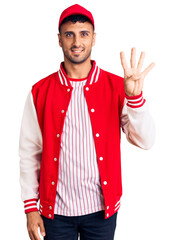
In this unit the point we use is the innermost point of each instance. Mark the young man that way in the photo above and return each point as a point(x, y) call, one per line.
point(70, 138)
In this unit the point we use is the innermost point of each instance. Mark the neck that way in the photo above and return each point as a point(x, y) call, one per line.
point(77, 71)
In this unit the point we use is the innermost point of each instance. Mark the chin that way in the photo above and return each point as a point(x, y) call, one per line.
point(77, 61)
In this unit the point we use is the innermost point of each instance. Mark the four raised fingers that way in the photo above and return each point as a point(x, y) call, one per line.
point(133, 61)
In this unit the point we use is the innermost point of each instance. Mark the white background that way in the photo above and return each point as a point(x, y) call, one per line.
point(29, 51)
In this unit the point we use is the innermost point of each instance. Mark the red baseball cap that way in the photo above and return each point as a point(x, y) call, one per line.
point(76, 9)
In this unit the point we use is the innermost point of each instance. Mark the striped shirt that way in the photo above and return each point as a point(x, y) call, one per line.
point(79, 189)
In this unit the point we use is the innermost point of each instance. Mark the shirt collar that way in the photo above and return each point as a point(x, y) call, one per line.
point(92, 77)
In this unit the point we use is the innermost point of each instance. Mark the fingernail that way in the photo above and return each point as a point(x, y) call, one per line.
point(43, 234)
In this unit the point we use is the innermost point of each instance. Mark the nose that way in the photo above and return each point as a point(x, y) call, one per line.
point(76, 41)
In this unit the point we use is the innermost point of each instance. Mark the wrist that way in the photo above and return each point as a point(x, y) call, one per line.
point(135, 101)
point(30, 205)
point(138, 94)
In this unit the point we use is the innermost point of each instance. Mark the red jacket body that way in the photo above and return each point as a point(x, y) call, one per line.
point(106, 96)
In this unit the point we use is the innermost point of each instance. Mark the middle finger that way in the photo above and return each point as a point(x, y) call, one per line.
point(133, 57)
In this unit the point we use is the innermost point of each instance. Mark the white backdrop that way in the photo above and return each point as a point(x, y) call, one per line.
point(29, 51)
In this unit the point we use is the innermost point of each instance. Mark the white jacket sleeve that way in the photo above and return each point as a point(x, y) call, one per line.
point(30, 150)
point(137, 123)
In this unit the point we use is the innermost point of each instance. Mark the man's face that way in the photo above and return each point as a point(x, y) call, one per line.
point(76, 40)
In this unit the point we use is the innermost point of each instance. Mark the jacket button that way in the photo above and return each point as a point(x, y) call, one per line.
point(87, 88)
point(50, 207)
point(58, 135)
point(52, 182)
point(62, 111)
point(107, 207)
point(97, 134)
point(107, 215)
point(49, 215)
point(55, 159)
point(101, 158)
point(105, 182)
point(92, 110)
point(68, 89)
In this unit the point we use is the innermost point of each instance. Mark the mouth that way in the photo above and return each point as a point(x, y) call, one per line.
point(76, 51)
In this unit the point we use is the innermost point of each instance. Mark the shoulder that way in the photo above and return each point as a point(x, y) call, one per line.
point(40, 89)
point(115, 79)
point(44, 82)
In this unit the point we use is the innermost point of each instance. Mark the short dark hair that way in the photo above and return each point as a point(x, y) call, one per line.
point(74, 19)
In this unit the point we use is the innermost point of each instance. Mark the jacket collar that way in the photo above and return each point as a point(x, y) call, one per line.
point(92, 77)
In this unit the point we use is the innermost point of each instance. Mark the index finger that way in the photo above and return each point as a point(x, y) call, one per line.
point(145, 72)
point(123, 61)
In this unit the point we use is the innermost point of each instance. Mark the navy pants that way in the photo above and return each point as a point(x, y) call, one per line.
point(92, 226)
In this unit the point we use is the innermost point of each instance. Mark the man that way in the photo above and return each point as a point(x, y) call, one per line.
point(70, 137)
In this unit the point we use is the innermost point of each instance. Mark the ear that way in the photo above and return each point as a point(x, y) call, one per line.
point(60, 39)
point(93, 40)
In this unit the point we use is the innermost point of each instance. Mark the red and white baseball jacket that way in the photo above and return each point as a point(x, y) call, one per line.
point(44, 119)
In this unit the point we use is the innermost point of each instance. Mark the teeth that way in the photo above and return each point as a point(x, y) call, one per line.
point(76, 51)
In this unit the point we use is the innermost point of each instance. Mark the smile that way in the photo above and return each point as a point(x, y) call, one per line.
point(77, 51)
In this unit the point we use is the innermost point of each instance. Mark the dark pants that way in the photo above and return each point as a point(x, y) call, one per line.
point(92, 226)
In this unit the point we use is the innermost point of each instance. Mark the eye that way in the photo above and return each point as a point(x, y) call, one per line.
point(84, 34)
point(68, 35)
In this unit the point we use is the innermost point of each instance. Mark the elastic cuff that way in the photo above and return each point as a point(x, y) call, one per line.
point(135, 101)
point(30, 205)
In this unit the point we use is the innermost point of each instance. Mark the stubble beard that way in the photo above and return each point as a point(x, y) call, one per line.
point(75, 59)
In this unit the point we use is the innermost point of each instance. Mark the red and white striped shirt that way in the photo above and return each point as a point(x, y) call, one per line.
point(79, 189)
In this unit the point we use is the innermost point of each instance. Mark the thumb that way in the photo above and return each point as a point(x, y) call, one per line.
point(42, 229)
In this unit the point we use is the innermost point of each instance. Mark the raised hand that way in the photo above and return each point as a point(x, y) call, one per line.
point(133, 77)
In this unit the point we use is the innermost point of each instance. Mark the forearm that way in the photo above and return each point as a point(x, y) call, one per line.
point(30, 150)
point(137, 123)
